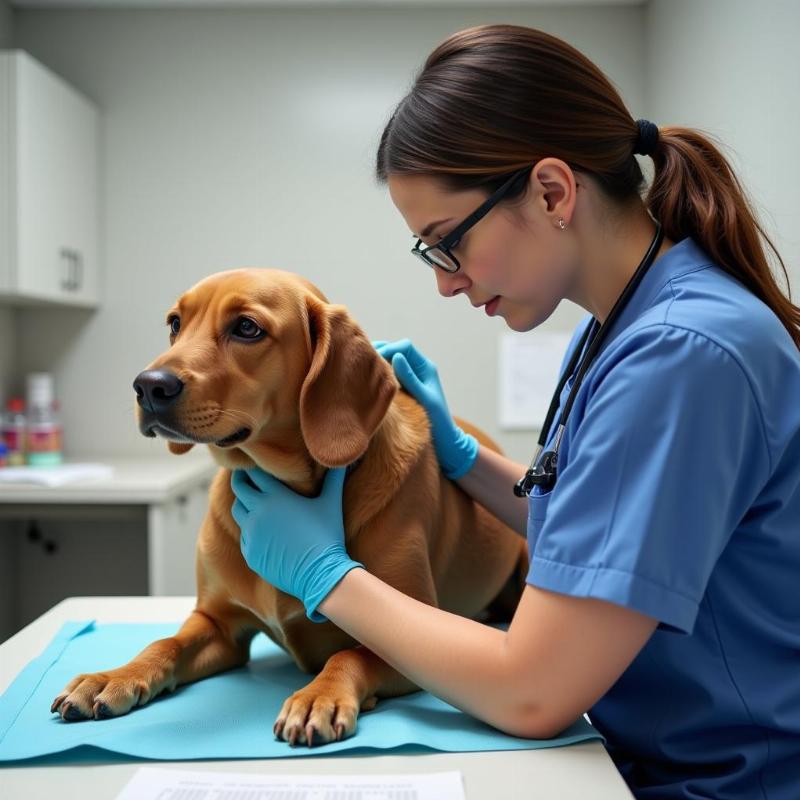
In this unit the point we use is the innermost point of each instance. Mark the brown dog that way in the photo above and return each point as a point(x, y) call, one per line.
point(266, 372)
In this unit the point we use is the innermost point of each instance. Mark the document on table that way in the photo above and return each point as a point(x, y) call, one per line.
point(151, 783)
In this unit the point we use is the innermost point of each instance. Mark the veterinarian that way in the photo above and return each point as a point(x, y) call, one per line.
point(663, 512)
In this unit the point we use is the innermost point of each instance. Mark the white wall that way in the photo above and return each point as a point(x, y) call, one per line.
point(731, 67)
point(247, 137)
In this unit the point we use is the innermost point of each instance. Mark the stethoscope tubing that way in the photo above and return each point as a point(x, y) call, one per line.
point(543, 468)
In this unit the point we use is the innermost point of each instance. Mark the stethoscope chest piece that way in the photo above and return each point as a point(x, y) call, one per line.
point(541, 474)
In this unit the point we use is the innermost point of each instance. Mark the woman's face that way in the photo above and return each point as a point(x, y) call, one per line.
point(515, 262)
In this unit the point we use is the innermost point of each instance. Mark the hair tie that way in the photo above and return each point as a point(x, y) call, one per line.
point(647, 140)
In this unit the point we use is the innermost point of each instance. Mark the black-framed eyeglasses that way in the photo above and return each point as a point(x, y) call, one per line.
point(441, 254)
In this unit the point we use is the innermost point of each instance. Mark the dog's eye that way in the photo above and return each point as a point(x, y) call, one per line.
point(174, 325)
point(245, 328)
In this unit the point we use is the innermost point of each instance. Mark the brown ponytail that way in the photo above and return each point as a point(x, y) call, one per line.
point(696, 193)
point(496, 98)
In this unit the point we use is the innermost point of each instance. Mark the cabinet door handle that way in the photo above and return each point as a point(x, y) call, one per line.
point(66, 268)
point(72, 269)
point(78, 270)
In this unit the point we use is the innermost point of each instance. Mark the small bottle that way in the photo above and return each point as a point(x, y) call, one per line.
point(3, 454)
point(14, 431)
point(44, 427)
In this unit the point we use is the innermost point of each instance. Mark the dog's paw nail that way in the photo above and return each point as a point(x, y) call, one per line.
point(56, 703)
point(102, 711)
point(339, 731)
point(310, 735)
point(71, 713)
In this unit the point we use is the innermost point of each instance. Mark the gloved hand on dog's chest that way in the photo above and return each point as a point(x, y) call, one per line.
point(456, 450)
point(296, 543)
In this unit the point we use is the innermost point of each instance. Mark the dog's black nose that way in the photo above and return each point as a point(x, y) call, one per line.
point(157, 389)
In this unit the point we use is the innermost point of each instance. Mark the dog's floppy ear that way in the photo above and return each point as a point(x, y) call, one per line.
point(347, 390)
point(179, 448)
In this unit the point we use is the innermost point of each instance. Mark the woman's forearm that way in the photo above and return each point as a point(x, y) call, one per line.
point(559, 656)
point(462, 661)
point(491, 483)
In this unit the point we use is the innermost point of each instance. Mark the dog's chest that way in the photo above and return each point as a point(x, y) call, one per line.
point(310, 644)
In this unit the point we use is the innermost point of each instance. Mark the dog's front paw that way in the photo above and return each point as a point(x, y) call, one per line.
point(322, 712)
point(101, 695)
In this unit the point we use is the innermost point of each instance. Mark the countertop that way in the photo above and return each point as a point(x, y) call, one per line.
point(137, 480)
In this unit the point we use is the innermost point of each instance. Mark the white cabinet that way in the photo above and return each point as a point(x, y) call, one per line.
point(48, 187)
point(130, 534)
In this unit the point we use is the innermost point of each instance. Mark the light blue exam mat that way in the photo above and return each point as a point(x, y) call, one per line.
point(226, 716)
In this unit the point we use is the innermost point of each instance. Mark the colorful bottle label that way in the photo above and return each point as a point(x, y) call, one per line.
point(44, 445)
point(15, 441)
point(44, 459)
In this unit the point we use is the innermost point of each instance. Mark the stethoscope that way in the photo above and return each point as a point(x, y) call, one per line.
point(544, 467)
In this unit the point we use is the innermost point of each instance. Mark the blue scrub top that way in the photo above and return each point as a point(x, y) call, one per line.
point(678, 495)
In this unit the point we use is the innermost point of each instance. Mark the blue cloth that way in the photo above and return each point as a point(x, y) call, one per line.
point(229, 715)
point(678, 496)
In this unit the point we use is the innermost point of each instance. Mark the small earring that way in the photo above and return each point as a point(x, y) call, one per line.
point(562, 224)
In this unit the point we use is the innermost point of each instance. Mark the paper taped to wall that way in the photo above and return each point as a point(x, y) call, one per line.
point(529, 365)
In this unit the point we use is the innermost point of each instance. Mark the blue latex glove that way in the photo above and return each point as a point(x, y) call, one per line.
point(295, 543)
point(456, 450)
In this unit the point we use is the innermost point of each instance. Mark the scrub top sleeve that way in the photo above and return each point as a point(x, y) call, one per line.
point(669, 454)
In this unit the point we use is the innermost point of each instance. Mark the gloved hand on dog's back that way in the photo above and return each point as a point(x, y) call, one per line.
point(296, 543)
point(456, 450)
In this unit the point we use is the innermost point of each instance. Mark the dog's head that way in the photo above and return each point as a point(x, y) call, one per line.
point(260, 361)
